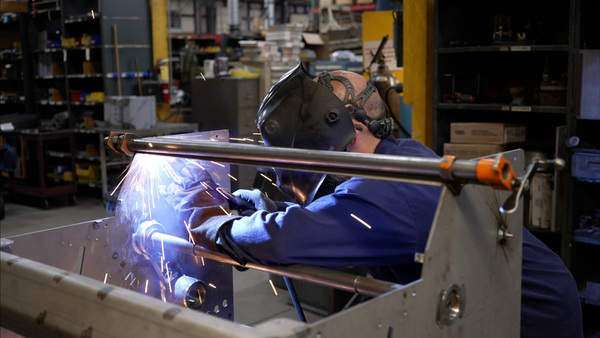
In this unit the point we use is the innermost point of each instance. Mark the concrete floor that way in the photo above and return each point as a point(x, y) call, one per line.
point(254, 298)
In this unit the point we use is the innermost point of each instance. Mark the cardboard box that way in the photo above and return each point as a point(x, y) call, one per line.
point(57, 68)
point(90, 67)
point(13, 6)
point(130, 112)
point(540, 201)
point(553, 95)
point(319, 43)
point(489, 133)
point(58, 95)
point(469, 151)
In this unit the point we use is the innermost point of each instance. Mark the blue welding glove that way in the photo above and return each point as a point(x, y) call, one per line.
point(258, 198)
point(194, 199)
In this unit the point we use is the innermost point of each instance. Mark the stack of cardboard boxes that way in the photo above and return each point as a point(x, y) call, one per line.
point(471, 140)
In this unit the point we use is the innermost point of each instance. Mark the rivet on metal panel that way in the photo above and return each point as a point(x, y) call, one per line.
point(95, 225)
point(57, 278)
point(115, 255)
point(40, 318)
point(104, 292)
point(171, 313)
point(419, 257)
point(87, 333)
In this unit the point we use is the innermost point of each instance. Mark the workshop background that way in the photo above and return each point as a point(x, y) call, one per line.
point(463, 78)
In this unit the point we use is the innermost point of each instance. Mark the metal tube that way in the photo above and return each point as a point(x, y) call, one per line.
point(332, 278)
point(389, 167)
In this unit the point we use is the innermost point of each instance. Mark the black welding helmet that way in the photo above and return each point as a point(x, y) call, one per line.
point(298, 112)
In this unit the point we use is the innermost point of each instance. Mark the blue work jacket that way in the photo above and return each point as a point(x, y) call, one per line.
point(380, 225)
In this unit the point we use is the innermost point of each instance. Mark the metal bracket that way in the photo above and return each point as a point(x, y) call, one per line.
point(522, 183)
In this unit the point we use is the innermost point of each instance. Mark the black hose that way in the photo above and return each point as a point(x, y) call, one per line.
point(295, 299)
point(398, 88)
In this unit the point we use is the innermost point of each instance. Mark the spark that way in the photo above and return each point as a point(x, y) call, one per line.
point(105, 277)
point(133, 280)
point(222, 193)
point(187, 226)
point(233, 178)
point(225, 211)
point(93, 15)
point(275, 185)
point(197, 165)
point(203, 78)
point(261, 141)
point(256, 134)
point(273, 287)
point(146, 289)
point(162, 245)
point(360, 220)
point(266, 177)
point(202, 258)
point(129, 274)
point(118, 185)
point(219, 164)
point(199, 296)
point(241, 139)
point(207, 186)
point(212, 285)
point(209, 194)
point(150, 145)
point(170, 276)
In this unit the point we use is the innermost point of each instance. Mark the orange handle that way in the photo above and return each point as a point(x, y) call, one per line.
point(496, 172)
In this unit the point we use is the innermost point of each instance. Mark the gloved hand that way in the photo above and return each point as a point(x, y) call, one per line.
point(194, 199)
point(206, 233)
point(256, 197)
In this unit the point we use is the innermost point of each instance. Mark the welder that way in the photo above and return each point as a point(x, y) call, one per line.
point(370, 223)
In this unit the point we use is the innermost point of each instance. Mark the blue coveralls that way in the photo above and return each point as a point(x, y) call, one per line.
point(398, 219)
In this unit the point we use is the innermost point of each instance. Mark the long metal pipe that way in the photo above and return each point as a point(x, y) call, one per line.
point(332, 278)
point(377, 166)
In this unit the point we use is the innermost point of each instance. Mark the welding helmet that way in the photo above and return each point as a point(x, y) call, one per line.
point(298, 112)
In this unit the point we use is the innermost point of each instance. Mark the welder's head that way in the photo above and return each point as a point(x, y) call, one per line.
point(303, 111)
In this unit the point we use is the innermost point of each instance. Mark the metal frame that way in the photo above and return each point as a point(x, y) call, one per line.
point(470, 286)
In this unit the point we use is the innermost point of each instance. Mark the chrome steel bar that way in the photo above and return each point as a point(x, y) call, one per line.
point(332, 278)
point(388, 167)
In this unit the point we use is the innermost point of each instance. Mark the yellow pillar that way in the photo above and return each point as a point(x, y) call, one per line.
point(418, 67)
point(160, 46)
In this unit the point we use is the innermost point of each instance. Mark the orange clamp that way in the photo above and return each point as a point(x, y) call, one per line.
point(496, 172)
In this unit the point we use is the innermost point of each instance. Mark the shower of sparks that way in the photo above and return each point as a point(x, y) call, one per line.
point(225, 211)
point(232, 177)
point(146, 288)
point(105, 277)
point(266, 177)
point(212, 285)
point(219, 164)
point(361, 221)
point(273, 287)
point(203, 78)
point(187, 226)
point(93, 15)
